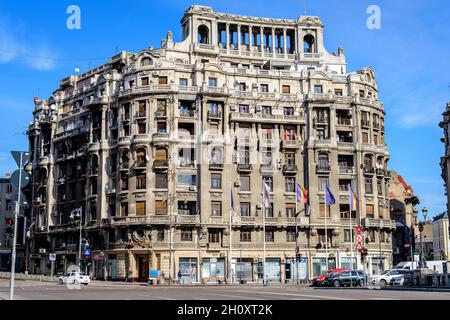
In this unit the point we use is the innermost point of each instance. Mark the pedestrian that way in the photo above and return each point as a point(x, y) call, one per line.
point(179, 276)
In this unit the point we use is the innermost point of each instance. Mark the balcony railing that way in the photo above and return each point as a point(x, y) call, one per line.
point(323, 168)
point(290, 144)
point(320, 121)
point(290, 168)
point(160, 164)
point(346, 169)
point(159, 114)
point(215, 165)
point(188, 113)
point(245, 167)
point(344, 121)
point(214, 115)
point(369, 170)
point(365, 123)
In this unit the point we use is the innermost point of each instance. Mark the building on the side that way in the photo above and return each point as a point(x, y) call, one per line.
point(402, 204)
point(445, 160)
point(6, 213)
point(151, 145)
point(441, 238)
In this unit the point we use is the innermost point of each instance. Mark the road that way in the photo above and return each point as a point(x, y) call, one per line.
point(32, 290)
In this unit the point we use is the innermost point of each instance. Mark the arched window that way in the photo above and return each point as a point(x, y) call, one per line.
point(368, 163)
point(141, 159)
point(203, 34)
point(161, 155)
point(146, 61)
point(124, 160)
point(308, 43)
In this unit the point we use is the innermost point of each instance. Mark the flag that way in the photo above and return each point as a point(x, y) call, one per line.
point(329, 197)
point(232, 200)
point(302, 194)
point(266, 195)
point(353, 200)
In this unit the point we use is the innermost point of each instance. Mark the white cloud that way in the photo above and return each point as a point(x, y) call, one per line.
point(34, 53)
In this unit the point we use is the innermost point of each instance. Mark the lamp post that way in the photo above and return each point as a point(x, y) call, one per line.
point(421, 228)
point(415, 213)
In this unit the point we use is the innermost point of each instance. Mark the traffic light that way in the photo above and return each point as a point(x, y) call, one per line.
point(9, 222)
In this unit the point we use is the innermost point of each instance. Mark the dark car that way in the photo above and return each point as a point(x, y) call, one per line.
point(347, 278)
point(320, 280)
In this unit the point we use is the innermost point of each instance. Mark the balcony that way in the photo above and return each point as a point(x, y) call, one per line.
point(290, 169)
point(320, 97)
point(124, 141)
point(159, 165)
point(214, 91)
point(161, 114)
point(187, 219)
point(376, 125)
point(266, 143)
point(188, 114)
point(214, 116)
point(139, 220)
point(369, 170)
point(213, 165)
point(346, 169)
point(344, 121)
point(246, 167)
point(321, 121)
point(378, 223)
point(268, 169)
point(291, 144)
point(323, 168)
point(380, 172)
point(160, 138)
point(365, 123)
point(124, 166)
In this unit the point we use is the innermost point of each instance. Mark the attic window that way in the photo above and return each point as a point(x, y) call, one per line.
point(146, 62)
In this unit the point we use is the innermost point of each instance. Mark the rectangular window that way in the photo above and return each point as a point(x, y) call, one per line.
point(362, 93)
point(269, 182)
point(245, 209)
point(325, 241)
point(290, 158)
point(245, 183)
point(369, 211)
point(142, 128)
point(183, 82)
point(214, 235)
point(160, 207)
point(216, 209)
point(365, 137)
point(349, 237)
point(286, 89)
point(270, 235)
point(244, 108)
point(124, 209)
point(160, 234)
point(323, 183)
point(290, 210)
point(289, 134)
point(371, 234)
point(162, 80)
point(269, 211)
point(290, 235)
point(379, 187)
point(212, 82)
point(141, 181)
point(375, 139)
point(368, 184)
point(187, 179)
point(266, 110)
point(290, 184)
point(142, 107)
point(186, 234)
point(338, 92)
point(145, 81)
point(241, 86)
point(264, 88)
point(246, 235)
point(140, 208)
point(288, 111)
point(382, 237)
point(322, 210)
point(161, 180)
point(318, 89)
point(216, 181)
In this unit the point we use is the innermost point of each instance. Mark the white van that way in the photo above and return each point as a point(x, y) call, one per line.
point(407, 265)
point(436, 266)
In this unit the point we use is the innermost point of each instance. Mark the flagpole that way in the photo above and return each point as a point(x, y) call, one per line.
point(264, 232)
point(326, 233)
point(230, 251)
point(296, 232)
point(351, 200)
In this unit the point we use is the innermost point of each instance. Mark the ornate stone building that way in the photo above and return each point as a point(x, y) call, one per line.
point(445, 160)
point(152, 144)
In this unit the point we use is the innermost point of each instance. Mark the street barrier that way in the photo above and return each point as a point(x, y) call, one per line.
point(33, 277)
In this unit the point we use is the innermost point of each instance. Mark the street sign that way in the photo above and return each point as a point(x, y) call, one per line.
point(358, 230)
point(25, 157)
point(359, 238)
point(407, 246)
point(25, 179)
point(87, 252)
point(52, 257)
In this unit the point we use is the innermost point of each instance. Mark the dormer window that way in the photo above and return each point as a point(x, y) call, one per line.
point(146, 62)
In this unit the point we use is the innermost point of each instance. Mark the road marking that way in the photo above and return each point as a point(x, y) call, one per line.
point(165, 298)
point(232, 295)
point(297, 295)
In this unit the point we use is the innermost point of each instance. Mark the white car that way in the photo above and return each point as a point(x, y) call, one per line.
point(74, 278)
point(386, 277)
point(398, 281)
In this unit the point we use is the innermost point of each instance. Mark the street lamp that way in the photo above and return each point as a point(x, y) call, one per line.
point(415, 213)
point(421, 228)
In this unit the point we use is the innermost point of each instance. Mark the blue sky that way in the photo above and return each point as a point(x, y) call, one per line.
point(409, 55)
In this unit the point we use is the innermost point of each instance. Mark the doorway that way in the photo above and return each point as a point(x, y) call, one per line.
point(143, 268)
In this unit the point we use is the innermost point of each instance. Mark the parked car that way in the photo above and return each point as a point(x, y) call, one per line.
point(347, 278)
point(74, 278)
point(319, 281)
point(386, 277)
point(398, 280)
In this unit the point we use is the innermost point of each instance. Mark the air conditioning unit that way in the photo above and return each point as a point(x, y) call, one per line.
point(233, 108)
point(194, 189)
point(237, 184)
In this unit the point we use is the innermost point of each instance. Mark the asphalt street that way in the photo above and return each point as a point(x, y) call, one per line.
point(32, 290)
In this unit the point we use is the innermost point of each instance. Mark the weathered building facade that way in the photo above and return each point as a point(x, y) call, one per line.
point(152, 145)
point(445, 160)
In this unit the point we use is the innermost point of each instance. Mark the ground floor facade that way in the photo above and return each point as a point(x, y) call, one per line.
point(204, 266)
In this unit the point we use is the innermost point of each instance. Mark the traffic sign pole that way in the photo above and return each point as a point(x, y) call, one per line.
point(16, 213)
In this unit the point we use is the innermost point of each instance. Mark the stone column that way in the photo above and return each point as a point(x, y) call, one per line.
point(284, 43)
point(250, 39)
point(273, 41)
point(261, 44)
point(227, 45)
point(239, 38)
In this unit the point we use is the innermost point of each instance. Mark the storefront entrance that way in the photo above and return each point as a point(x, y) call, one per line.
point(297, 271)
point(213, 270)
point(143, 268)
point(243, 270)
point(320, 266)
point(188, 268)
point(273, 270)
